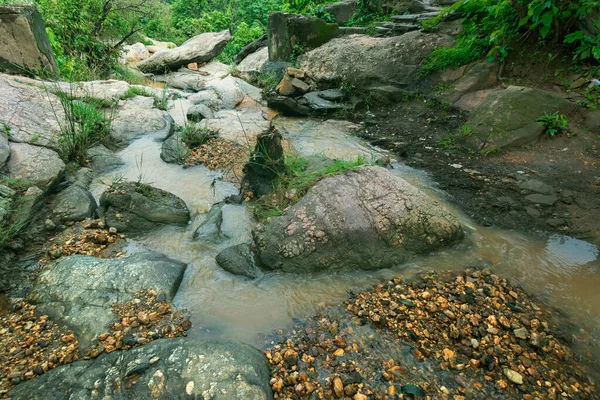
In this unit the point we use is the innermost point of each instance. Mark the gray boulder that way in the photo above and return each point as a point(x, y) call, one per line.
point(255, 62)
point(368, 219)
point(38, 166)
point(135, 53)
point(138, 117)
point(286, 31)
point(342, 11)
point(322, 102)
point(199, 49)
point(78, 291)
point(508, 118)
point(33, 114)
point(198, 112)
point(174, 150)
point(239, 260)
point(163, 369)
point(368, 61)
point(24, 44)
point(75, 203)
point(101, 159)
point(137, 207)
point(210, 228)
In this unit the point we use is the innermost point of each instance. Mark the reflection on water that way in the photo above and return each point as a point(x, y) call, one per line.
point(561, 270)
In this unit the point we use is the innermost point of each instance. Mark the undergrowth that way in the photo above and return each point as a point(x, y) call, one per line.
point(295, 182)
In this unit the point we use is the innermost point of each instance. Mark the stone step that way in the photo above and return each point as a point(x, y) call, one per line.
point(397, 27)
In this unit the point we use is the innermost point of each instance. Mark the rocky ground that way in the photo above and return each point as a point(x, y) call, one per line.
point(496, 189)
point(444, 336)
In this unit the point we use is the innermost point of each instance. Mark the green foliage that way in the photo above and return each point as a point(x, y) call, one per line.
point(490, 25)
point(553, 123)
point(194, 135)
point(295, 182)
point(124, 73)
point(6, 128)
point(85, 126)
point(243, 35)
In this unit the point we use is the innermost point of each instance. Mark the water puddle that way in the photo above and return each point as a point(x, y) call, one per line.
point(562, 270)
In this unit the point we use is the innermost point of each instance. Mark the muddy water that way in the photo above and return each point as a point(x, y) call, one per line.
point(561, 270)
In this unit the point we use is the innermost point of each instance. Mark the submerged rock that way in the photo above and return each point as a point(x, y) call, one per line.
point(137, 207)
point(368, 219)
point(199, 49)
point(239, 260)
point(78, 291)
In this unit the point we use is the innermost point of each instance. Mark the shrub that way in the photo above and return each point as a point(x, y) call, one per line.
point(553, 123)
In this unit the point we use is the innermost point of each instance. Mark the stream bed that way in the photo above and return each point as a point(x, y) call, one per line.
point(561, 270)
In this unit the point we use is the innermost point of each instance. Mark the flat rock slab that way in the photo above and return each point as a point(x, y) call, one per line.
point(78, 291)
point(163, 369)
point(238, 126)
point(199, 49)
point(537, 186)
point(366, 219)
point(37, 166)
point(33, 114)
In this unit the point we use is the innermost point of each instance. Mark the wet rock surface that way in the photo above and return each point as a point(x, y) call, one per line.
point(221, 371)
point(439, 336)
point(78, 291)
point(136, 207)
point(137, 117)
point(365, 219)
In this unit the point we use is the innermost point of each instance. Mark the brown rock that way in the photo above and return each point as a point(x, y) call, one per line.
point(285, 87)
point(338, 387)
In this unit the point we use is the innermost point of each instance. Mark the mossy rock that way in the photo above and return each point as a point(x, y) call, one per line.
point(508, 118)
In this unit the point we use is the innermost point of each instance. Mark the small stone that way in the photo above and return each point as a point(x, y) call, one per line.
point(154, 360)
point(338, 387)
point(189, 388)
point(296, 73)
point(513, 376)
point(521, 333)
point(112, 230)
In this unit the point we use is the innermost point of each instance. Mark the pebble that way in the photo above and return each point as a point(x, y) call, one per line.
point(513, 376)
point(521, 333)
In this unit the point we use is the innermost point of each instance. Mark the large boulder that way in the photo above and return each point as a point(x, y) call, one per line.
point(199, 49)
point(287, 31)
point(33, 114)
point(78, 291)
point(24, 45)
point(136, 117)
point(367, 61)
point(509, 117)
point(110, 90)
point(163, 369)
point(342, 11)
point(137, 207)
point(366, 219)
point(35, 165)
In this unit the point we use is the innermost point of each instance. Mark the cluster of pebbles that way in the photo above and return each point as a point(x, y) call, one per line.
point(217, 153)
point(91, 238)
point(444, 336)
point(145, 318)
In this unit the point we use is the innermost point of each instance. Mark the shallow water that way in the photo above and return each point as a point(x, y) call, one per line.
point(562, 270)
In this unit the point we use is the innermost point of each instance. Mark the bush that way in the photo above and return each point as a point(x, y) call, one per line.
point(553, 123)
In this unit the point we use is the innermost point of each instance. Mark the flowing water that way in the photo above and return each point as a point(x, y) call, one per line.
point(562, 270)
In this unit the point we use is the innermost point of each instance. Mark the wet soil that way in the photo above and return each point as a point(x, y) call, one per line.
point(486, 188)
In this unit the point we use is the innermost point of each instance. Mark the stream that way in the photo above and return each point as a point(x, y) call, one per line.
point(561, 270)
